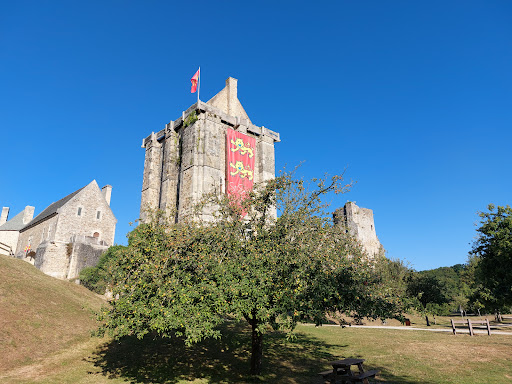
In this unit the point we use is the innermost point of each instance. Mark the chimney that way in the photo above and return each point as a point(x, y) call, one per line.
point(5, 214)
point(107, 192)
point(232, 88)
point(28, 214)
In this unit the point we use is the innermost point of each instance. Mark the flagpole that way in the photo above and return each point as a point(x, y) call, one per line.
point(198, 85)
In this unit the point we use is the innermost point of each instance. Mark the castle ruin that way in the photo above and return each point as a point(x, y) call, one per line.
point(212, 147)
point(359, 223)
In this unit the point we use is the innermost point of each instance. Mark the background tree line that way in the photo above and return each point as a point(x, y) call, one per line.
point(482, 285)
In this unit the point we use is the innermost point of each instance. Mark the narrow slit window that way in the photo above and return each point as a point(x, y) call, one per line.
point(79, 213)
point(98, 215)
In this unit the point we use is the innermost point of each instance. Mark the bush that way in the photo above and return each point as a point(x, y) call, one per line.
point(98, 278)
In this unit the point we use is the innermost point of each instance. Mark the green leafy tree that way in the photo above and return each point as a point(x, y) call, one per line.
point(492, 252)
point(185, 279)
point(395, 274)
point(480, 298)
point(428, 292)
point(456, 283)
point(97, 278)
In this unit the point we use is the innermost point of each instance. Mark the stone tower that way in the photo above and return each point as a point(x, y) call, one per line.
point(188, 158)
point(359, 224)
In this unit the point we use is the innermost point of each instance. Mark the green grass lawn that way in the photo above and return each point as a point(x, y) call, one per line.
point(401, 357)
point(44, 338)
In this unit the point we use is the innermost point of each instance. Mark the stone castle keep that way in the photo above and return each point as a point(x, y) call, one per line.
point(188, 158)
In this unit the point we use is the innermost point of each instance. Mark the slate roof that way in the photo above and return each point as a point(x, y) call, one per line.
point(15, 224)
point(51, 209)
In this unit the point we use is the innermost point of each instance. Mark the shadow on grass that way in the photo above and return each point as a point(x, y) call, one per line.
point(158, 360)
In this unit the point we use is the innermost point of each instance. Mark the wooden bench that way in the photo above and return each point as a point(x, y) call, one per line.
point(326, 374)
point(355, 378)
point(360, 377)
point(329, 375)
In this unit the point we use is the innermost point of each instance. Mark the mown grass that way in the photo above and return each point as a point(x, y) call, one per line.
point(40, 315)
point(403, 357)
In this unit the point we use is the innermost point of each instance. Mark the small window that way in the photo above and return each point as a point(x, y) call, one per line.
point(98, 215)
point(79, 213)
point(96, 234)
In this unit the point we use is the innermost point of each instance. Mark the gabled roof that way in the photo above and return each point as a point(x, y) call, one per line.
point(227, 100)
point(15, 224)
point(52, 209)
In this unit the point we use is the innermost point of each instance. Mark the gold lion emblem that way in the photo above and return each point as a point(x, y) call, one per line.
point(240, 146)
point(240, 170)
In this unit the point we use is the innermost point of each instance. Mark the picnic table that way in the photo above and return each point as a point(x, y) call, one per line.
point(342, 371)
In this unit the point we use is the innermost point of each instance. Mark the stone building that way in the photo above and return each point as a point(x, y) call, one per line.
point(359, 224)
point(189, 157)
point(10, 230)
point(69, 234)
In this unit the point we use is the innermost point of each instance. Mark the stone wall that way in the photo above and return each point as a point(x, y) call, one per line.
point(90, 200)
point(42, 232)
point(85, 252)
point(359, 223)
point(52, 258)
point(9, 238)
point(65, 260)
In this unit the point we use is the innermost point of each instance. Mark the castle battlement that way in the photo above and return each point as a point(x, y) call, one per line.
point(201, 107)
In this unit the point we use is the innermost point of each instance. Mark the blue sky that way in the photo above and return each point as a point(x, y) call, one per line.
point(413, 98)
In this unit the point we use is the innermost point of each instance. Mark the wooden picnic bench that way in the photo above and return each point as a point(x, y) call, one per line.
point(342, 372)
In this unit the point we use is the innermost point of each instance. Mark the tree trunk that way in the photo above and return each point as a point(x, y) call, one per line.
point(428, 323)
point(257, 348)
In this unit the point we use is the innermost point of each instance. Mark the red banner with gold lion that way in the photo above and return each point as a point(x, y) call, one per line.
point(240, 157)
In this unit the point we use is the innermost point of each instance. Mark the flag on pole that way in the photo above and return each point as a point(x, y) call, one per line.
point(194, 81)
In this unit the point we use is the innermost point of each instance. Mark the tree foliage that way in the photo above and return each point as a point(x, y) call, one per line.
point(185, 279)
point(426, 289)
point(492, 253)
point(97, 278)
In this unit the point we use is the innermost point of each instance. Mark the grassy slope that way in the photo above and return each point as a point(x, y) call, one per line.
point(40, 315)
